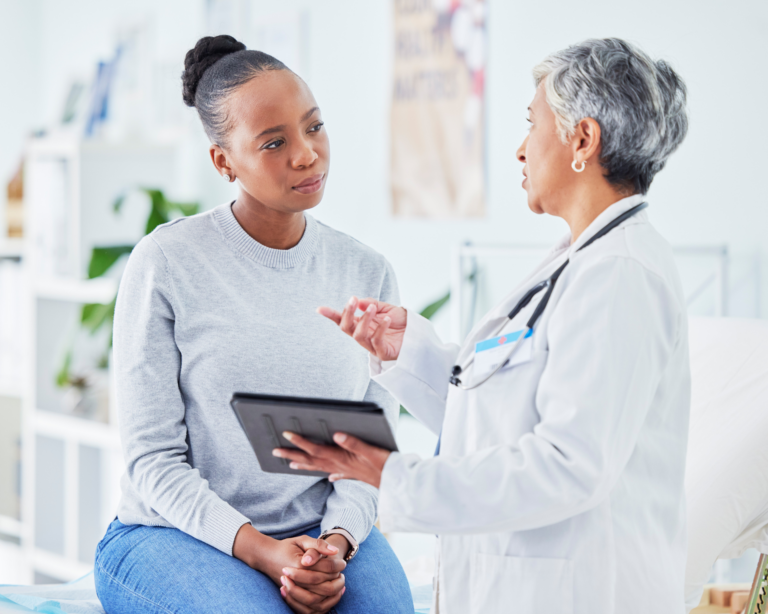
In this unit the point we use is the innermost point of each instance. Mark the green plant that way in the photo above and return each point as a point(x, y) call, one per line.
point(95, 316)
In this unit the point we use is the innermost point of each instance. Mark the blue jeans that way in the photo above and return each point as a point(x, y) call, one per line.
point(143, 569)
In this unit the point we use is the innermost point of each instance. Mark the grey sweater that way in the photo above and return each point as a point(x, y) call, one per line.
point(203, 311)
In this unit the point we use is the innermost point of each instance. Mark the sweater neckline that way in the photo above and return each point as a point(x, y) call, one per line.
point(267, 256)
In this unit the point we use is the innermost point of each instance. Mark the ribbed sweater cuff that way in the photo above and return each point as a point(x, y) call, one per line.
point(220, 525)
point(349, 519)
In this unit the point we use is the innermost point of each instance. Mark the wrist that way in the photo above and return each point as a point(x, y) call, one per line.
point(251, 547)
point(341, 543)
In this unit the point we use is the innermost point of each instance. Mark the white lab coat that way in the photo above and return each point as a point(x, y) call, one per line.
point(559, 485)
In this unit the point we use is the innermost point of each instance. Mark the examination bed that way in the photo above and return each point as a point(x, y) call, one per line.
point(726, 480)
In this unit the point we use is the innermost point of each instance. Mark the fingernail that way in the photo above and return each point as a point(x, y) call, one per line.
point(288, 435)
point(343, 590)
point(371, 308)
point(306, 560)
point(282, 579)
point(332, 548)
point(294, 465)
point(286, 571)
point(352, 301)
point(340, 437)
point(282, 591)
point(387, 319)
point(276, 453)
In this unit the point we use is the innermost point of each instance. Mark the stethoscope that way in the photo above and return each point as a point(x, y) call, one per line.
point(549, 284)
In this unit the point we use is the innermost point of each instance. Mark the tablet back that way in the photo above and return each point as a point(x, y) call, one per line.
point(265, 417)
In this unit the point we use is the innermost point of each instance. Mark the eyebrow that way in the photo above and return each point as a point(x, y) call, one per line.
point(281, 127)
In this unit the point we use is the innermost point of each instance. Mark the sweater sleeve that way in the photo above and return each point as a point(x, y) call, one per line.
point(353, 505)
point(152, 412)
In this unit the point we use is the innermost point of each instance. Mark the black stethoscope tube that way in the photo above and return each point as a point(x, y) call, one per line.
point(549, 284)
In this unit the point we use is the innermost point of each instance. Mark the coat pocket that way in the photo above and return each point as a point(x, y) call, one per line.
point(513, 585)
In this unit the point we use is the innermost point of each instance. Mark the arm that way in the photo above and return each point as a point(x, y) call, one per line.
point(419, 377)
point(610, 340)
point(152, 412)
point(352, 504)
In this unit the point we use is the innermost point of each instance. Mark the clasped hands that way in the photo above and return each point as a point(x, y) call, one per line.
point(307, 569)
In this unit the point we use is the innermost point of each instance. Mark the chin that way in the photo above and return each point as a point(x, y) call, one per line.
point(306, 202)
point(534, 205)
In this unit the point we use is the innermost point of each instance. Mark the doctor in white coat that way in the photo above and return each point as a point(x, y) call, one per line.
point(558, 486)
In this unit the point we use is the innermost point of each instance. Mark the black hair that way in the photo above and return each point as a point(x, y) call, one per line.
point(213, 69)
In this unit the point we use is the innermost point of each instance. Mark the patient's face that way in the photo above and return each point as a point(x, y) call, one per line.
point(278, 147)
point(547, 160)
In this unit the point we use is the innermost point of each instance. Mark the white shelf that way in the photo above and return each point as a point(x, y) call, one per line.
point(100, 290)
point(76, 429)
point(11, 248)
point(10, 526)
point(10, 391)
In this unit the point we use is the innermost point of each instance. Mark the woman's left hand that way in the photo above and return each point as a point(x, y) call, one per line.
point(352, 460)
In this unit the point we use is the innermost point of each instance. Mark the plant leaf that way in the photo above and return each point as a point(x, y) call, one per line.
point(430, 310)
point(63, 376)
point(185, 209)
point(102, 259)
point(94, 315)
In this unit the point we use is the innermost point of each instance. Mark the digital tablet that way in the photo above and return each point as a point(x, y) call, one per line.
point(265, 417)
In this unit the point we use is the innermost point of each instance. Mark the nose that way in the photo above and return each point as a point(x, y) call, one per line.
point(521, 151)
point(304, 155)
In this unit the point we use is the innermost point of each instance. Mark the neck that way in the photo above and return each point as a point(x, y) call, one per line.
point(271, 228)
point(589, 203)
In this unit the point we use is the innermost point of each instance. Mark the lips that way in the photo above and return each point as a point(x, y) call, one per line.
point(310, 185)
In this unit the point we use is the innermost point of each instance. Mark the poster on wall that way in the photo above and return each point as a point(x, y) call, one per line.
point(437, 112)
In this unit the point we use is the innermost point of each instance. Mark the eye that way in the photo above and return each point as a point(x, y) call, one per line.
point(316, 127)
point(274, 144)
point(530, 123)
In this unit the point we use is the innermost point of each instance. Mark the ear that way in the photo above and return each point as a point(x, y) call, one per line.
point(586, 140)
point(219, 159)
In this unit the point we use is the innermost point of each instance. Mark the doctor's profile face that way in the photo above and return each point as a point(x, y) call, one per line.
point(277, 145)
point(548, 176)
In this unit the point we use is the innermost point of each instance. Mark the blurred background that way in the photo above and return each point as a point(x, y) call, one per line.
point(96, 147)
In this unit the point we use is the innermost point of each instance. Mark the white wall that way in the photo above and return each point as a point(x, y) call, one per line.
point(709, 193)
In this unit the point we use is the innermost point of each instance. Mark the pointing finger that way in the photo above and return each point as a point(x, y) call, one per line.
point(331, 314)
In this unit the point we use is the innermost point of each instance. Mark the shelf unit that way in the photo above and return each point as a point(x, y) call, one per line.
point(70, 465)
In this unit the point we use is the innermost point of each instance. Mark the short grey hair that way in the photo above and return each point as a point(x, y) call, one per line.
point(638, 103)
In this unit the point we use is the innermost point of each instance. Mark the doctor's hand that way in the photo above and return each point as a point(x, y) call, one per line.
point(379, 330)
point(352, 460)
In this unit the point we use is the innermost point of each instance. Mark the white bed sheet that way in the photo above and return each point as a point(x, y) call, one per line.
point(727, 469)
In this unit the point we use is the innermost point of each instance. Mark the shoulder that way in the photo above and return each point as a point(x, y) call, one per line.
point(345, 247)
point(637, 248)
point(184, 231)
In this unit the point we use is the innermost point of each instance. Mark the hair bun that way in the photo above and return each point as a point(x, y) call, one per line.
point(207, 51)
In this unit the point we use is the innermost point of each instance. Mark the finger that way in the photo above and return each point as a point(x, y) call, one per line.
point(311, 556)
point(377, 340)
point(347, 323)
point(331, 565)
point(323, 606)
point(362, 332)
point(293, 455)
point(305, 576)
point(331, 314)
point(326, 589)
point(302, 595)
point(312, 449)
point(316, 545)
point(353, 444)
point(294, 605)
point(364, 303)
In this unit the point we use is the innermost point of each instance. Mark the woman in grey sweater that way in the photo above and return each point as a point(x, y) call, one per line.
point(222, 302)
